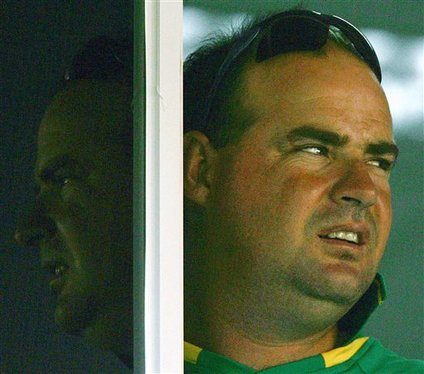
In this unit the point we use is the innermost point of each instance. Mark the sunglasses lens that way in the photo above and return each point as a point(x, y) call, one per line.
point(292, 34)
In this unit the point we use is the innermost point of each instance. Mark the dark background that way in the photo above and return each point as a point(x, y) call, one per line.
point(38, 40)
point(399, 322)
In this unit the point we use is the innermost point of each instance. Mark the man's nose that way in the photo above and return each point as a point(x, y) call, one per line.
point(355, 187)
point(34, 227)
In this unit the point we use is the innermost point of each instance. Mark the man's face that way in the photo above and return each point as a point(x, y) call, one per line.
point(82, 221)
point(300, 205)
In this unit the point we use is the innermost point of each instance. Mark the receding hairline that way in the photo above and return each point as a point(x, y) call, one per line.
point(238, 103)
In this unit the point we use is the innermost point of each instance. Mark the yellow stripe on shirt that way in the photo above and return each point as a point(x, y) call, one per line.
point(191, 353)
point(342, 354)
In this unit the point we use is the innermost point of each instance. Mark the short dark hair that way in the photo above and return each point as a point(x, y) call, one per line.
point(224, 119)
point(103, 58)
point(200, 69)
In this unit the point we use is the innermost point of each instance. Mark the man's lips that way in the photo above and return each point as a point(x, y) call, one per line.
point(58, 270)
point(355, 235)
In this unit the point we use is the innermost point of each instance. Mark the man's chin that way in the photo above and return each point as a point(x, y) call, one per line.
point(345, 291)
point(342, 289)
point(73, 319)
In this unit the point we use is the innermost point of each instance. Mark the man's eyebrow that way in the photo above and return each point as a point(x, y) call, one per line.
point(311, 132)
point(383, 148)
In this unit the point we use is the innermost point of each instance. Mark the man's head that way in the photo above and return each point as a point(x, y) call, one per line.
point(295, 200)
point(82, 220)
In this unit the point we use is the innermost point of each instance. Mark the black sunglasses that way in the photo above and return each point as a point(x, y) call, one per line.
point(296, 30)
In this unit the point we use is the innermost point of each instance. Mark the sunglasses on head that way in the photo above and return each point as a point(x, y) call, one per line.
point(293, 31)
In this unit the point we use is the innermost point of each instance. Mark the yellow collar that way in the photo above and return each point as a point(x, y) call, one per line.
point(331, 358)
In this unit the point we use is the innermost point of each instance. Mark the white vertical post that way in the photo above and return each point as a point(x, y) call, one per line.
point(164, 193)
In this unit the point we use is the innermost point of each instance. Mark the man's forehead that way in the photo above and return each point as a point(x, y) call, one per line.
point(87, 117)
point(297, 66)
point(324, 79)
point(88, 111)
point(334, 91)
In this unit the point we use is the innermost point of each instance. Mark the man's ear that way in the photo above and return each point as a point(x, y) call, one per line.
point(199, 159)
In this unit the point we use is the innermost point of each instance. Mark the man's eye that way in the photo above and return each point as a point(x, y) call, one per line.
point(61, 177)
point(381, 163)
point(63, 180)
point(315, 149)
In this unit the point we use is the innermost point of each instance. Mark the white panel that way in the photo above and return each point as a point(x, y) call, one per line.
point(164, 194)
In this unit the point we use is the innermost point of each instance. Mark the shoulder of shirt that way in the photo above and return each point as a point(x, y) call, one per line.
point(382, 360)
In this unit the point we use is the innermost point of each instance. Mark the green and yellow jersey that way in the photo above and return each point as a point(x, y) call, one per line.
point(362, 356)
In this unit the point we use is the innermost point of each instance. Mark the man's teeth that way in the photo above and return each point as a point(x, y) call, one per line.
point(59, 270)
point(345, 235)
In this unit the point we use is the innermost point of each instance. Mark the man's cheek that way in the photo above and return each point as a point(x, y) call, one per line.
point(79, 205)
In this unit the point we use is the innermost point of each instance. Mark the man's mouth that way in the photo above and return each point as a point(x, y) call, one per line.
point(58, 270)
point(348, 236)
point(356, 234)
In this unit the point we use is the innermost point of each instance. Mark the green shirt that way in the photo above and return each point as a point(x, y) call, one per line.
point(362, 356)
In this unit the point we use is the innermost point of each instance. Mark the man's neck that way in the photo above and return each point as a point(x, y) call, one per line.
point(302, 329)
point(258, 354)
point(113, 332)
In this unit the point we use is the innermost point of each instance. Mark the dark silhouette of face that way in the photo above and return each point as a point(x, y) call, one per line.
point(82, 221)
